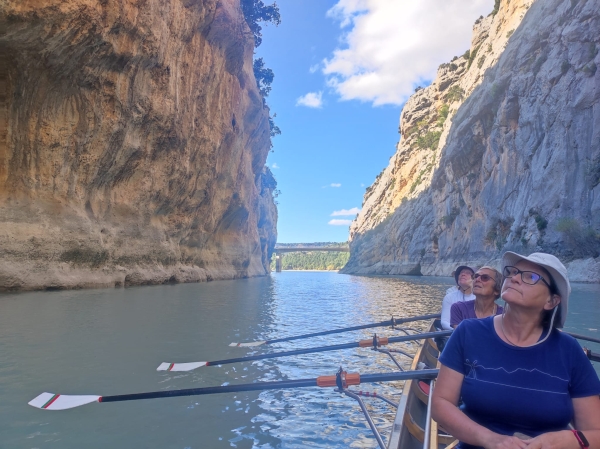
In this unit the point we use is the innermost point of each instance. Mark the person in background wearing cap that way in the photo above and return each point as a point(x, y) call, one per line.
point(522, 382)
point(487, 283)
point(464, 280)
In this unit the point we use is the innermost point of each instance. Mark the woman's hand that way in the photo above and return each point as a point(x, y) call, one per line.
point(497, 441)
point(554, 440)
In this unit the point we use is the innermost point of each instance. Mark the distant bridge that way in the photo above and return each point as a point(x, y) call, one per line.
point(280, 250)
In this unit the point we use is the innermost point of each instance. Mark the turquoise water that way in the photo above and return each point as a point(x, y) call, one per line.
point(109, 342)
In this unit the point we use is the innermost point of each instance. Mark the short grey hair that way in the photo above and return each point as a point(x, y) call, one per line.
point(498, 278)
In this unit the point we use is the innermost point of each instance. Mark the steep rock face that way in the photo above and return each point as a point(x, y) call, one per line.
point(501, 152)
point(133, 144)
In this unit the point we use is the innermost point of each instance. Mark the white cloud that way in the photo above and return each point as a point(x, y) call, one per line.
point(314, 68)
point(393, 45)
point(345, 212)
point(311, 100)
point(335, 184)
point(337, 222)
point(275, 165)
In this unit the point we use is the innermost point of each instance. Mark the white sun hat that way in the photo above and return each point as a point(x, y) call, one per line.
point(556, 269)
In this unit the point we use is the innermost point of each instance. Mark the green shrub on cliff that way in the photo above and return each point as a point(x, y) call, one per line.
point(256, 11)
point(430, 140)
point(455, 93)
point(496, 8)
point(264, 76)
point(472, 55)
point(443, 115)
point(579, 241)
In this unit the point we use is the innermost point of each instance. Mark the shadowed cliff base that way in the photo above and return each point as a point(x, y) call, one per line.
point(518, 123)
point(135, 145)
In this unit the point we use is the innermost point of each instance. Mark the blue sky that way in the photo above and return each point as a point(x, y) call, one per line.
point(343, 69)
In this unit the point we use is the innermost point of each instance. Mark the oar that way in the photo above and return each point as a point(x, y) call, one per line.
point(583, 337)
point(50, 401)
point(360, 344)
point(392, 322)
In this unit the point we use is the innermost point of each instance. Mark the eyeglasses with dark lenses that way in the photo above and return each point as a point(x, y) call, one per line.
point(529, 277)
point(484, 277)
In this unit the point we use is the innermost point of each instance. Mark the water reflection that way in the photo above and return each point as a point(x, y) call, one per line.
point(304, 304)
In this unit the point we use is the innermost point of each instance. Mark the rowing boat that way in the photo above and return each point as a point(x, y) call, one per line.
point(413, 426)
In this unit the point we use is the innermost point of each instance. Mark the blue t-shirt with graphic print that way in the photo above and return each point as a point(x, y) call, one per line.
point(510, 389)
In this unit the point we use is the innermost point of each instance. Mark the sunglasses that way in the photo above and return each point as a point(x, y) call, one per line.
point(484, 277)
point(529, 277)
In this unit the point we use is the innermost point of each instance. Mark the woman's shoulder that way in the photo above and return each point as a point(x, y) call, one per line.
point(453, 296)
point(482, 325)
point(463, 305)
point(565, 339)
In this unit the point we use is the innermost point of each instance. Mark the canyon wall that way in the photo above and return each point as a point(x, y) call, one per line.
point(133, 142)
point(501, 152)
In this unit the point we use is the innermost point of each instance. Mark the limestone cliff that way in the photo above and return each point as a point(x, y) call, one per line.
point(132, 145)
point(501, 151)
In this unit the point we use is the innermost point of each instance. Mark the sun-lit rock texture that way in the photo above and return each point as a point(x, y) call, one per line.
point(132, 145)
point(501, 152)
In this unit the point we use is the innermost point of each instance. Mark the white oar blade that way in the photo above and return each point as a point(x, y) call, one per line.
point(180, 366)
point(51, 401)
point(247, 345)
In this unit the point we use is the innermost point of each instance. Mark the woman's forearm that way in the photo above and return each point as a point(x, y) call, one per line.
point(460, 426)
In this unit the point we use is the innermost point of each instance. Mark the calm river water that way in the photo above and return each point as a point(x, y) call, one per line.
point(109, 342)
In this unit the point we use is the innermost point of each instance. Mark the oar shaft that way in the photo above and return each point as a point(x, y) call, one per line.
point(355, 328)
point(421, 336)
point(260, 386)
point(583, 337)
point(401, 375)
point(274, 355)
point(285, 354)
point(211, 390)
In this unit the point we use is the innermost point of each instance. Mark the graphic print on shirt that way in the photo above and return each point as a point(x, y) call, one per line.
point(519, 378)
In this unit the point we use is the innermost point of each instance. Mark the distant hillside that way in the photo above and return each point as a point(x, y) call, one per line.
point(315, 244)
point(317, 260)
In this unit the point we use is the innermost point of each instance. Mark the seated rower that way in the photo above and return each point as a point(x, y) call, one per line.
point(487, 283)
point(523, 383)
point(464, 281)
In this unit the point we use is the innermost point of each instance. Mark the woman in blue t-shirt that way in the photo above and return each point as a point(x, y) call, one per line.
point(521, 381)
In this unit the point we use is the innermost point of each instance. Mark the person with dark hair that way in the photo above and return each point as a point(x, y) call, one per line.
point(464, 292)
point(487, 283)
point(522, 382)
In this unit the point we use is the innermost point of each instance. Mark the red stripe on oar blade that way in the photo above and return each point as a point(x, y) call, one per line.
point(171, 366)
point(52, 399)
